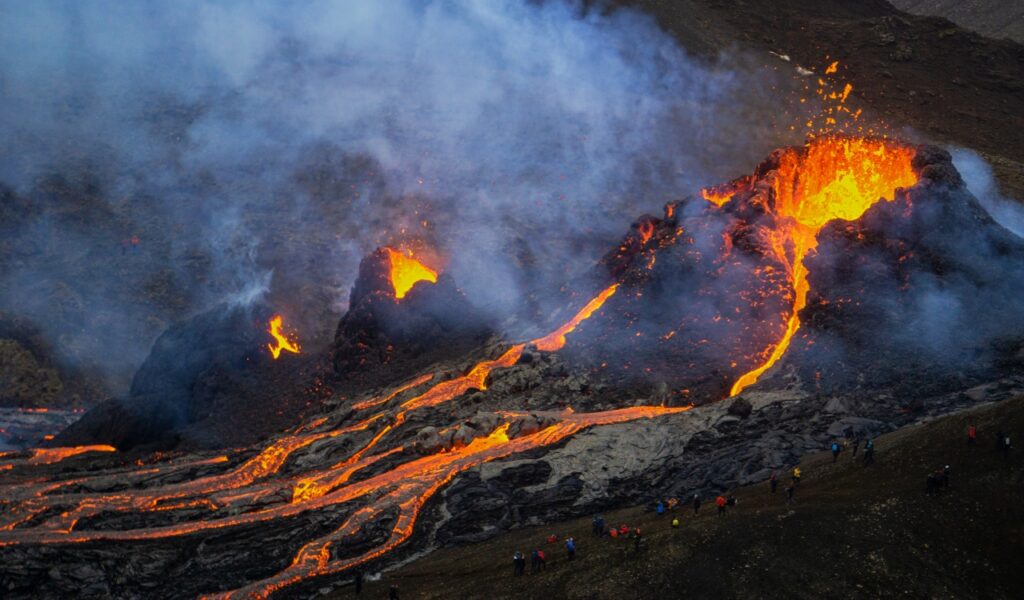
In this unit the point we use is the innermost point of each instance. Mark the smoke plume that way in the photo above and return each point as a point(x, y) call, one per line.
point(164, 157)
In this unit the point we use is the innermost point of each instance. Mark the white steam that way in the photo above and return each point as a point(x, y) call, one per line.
point(247, 138)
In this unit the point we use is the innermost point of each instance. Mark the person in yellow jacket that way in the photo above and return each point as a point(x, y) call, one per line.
point(675, 522)
point(796, 475)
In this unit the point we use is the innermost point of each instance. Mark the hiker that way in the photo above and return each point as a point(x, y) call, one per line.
point(869, 452)
point(856, 445)
point(672, 503)
point(972, 436)
point(570, 548)
point(720, 503)
point(931, 484)
point(999, 440)
point(835, 452)
point(518, 564)
point(773, 481)
point(636, 539)
point(534, 561)
point(552, 539)
point(675, 522)
point(730, 501)
point(660, 508)
point(393, 592)
point(598, 525)
point(944, 480)
point(624, 530)
point(796, 475)
point(359, 582)
point(790, 491)
point(542, 560)
point(614, 533)
point(1007, 446)
point(696, 504)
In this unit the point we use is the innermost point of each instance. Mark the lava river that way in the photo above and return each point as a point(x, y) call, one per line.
point(351, 463)
point(231, 491)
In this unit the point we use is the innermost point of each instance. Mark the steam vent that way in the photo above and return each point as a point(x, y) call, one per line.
point(367, 299)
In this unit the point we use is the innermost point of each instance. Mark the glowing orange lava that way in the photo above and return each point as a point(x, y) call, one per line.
point(406, 271)
point(253, 487)
point(45, 456)
point(720, 194)
point(830, 178)
point(283, 343)
point(556, 339)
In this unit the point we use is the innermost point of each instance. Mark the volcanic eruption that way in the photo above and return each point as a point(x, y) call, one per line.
point(830, 178)
point(350, 486)
point(281, 341)
point(851, 284)
point(406, 271)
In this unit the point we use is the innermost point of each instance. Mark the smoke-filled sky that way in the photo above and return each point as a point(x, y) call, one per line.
point(273, 144)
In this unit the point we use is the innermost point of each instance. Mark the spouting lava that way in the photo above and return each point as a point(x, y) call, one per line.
point(406, 271)
point(357, 478)
point(830, 178)
point(281, 341)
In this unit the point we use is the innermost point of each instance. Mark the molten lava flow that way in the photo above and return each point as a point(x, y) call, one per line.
point(45, 456)
point(830, 178)
point(282, 342)
point(646, 230)
point(720, 194)
point(255, 487)
point(556, 339)
point(406, 271)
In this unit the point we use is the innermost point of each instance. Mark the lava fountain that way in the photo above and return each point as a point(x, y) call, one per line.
point(282, 343)
point(407, 271)
point(830, 178)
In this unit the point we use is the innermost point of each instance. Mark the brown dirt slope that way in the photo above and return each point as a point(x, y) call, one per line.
point(994, 18)
point(950, 84)
point(853, 531)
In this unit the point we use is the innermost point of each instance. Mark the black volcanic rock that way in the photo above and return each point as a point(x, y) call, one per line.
point(209, 380)
point(382, 338)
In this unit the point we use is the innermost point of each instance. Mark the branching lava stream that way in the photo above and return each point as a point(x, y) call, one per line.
point(259, 489)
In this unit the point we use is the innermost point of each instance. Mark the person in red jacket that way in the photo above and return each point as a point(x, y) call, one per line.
point(972, 435)
point(720, 503)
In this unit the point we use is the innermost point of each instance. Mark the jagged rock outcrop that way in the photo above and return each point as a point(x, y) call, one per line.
point(382, 338)
point(208, 381)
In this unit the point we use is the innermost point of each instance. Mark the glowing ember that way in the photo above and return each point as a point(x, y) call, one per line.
point(831, 178)
point(646, 230)
point(556, 339)
point(283, 343)
point(406, 272)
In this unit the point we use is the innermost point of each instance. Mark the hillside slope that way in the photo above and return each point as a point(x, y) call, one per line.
point(994, 18)
point(950, 84)
point(865, 531)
